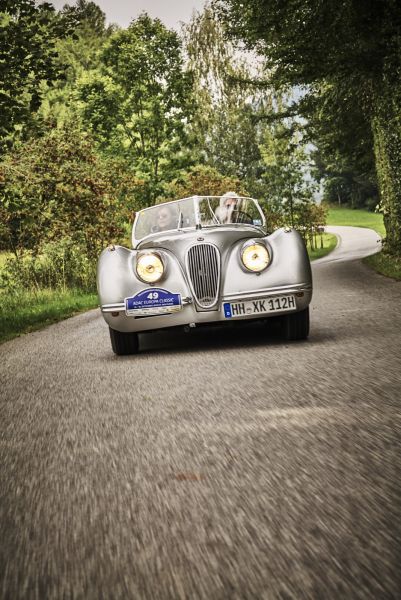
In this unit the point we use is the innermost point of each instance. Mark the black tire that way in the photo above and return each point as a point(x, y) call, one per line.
point(296, 325)
point(123, 343)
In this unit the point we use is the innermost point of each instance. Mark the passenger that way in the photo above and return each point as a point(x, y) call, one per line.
point(228, 206)
point(165, 219)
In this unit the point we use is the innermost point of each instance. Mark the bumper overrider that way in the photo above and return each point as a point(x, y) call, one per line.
point(258, 304)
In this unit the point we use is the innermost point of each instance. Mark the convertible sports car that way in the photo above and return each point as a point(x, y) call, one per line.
point(203, 260)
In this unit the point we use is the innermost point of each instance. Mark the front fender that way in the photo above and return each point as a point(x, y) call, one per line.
point(290, 265)
point(116, 278)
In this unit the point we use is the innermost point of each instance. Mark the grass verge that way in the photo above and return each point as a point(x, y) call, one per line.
point(27, 310)
point(385, 265)
point(329, 242)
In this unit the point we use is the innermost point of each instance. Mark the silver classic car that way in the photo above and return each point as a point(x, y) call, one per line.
point(204, 260)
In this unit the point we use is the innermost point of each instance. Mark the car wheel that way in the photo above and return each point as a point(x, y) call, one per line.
point(296, 325)
point(123, 343)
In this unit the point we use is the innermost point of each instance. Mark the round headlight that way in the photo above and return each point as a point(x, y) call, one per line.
point(149, 267)
point(255, 257)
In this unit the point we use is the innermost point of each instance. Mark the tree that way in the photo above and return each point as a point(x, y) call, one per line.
point(55, 186)
point(77, 54)
point(224, 125)
point(344, 154)
point(86, 15)
point(352, 44)
point(204, 180)
point(210, 57)
point(139, 103)
point(285, 175)
point(28, 37)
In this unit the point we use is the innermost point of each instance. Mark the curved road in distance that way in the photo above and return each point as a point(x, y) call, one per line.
point(219, 464)
point(353, 243)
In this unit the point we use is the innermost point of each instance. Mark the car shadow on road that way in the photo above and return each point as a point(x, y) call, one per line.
point(217, 338)
point(208, 338)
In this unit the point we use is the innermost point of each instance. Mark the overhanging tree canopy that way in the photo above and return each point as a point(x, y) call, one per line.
point(354, 44)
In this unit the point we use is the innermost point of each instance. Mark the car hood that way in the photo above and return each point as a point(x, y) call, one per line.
point(178, 242)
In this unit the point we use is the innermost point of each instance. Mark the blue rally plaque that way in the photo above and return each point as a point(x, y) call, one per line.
point(153, 301)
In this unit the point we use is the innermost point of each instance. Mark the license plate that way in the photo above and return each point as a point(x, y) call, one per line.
point(152, 301)
point(259, 306)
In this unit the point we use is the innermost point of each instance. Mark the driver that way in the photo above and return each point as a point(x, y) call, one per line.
point(228, 205)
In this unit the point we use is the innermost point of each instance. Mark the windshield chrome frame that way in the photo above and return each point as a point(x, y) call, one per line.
point(198, 225)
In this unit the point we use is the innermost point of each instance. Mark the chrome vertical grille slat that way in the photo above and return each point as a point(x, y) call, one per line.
point(203, 266)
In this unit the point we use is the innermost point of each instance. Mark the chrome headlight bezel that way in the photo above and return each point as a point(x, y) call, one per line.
point(143, 256)
point(256, 244)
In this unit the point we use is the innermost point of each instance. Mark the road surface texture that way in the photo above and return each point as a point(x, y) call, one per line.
point(213, 465)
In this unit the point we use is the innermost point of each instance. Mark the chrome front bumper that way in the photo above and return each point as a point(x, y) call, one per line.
point(115, 317)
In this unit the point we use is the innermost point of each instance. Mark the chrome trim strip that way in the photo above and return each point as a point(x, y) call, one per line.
point(120, 306)
point(273, 291)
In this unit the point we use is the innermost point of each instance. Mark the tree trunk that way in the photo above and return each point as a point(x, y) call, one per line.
point(386, 129)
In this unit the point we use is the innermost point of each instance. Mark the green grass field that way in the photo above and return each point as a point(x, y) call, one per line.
point(27, 310)
point(356, 218)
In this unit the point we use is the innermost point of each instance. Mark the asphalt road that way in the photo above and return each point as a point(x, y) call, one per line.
point(216, 464)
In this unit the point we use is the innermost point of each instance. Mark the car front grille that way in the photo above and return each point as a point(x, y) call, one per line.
point(203, 267)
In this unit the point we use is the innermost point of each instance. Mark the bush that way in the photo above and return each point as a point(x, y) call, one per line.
point(61, 264)
point(56, 187)
point(304, 215)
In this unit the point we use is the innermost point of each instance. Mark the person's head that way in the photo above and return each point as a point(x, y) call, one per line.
point(229, 200)
point(164, 218)
point(228, 205)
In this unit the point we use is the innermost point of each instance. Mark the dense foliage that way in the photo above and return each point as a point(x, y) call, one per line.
point(28, 36)
point(97, 122)
point(344, 156)
point(56, 186)
point(354, 48)
point(61, 204)
point(226, 128)
point(139, 102)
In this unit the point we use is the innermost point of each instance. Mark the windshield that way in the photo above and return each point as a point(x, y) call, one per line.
point(198, 211)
